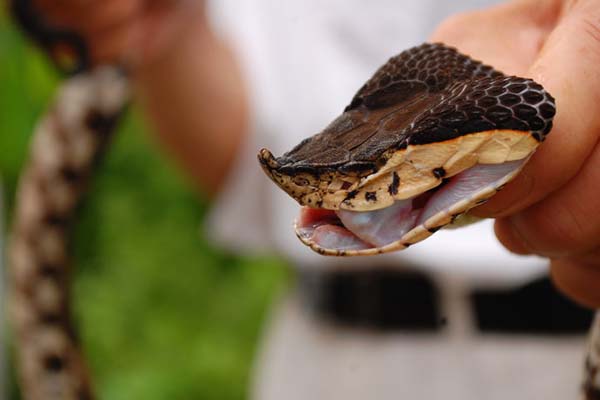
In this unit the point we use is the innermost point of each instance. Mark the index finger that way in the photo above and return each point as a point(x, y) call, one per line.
point(567, 68)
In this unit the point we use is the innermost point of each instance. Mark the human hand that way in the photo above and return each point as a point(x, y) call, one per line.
point(132, 32)
point(553, 207)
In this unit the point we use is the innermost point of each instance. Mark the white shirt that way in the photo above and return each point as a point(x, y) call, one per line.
point(303, 61)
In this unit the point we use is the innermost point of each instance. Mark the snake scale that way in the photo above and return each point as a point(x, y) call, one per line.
point(68, 143)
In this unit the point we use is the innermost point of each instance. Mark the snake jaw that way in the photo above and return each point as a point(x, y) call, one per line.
point(405, 222)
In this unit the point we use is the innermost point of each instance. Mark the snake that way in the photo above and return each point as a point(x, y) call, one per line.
point(379, 156)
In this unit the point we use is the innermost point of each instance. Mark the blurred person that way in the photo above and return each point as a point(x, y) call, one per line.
point(457, 316)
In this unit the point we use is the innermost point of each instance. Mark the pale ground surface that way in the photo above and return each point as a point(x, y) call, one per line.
point(302, 359)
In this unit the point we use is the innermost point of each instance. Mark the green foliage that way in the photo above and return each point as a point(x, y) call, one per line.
point(162, 313)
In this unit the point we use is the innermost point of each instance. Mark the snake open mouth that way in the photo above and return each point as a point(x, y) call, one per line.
point(431, 135)
point(406, 221)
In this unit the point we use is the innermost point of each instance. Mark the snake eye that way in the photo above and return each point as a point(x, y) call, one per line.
point(301, 181)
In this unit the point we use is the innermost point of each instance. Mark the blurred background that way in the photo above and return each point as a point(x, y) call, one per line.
point(162, 313)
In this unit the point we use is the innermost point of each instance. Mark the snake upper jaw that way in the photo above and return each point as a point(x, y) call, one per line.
point(298, 186)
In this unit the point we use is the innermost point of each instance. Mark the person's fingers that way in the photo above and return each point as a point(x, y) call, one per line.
point(579, 278)
point(508, 36)
point(509, 238)
point(566, 222)
point(59, 13)
point(568, 68)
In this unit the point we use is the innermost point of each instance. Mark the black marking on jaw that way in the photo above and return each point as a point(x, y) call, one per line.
point(434, 229)
point(393, 188)
point(370, 196)
point(346, 185)
point(351, 195)
point(439, 172)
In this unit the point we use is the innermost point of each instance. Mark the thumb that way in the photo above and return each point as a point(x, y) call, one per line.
point(567, 67)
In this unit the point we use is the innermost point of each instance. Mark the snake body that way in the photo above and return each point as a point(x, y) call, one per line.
point(68, 142)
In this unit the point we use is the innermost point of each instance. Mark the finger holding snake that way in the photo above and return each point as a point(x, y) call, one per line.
point(551, 208)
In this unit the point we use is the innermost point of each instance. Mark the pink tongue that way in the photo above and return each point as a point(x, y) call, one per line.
point(322, 227)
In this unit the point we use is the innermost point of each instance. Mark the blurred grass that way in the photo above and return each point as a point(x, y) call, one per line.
point(162, 313)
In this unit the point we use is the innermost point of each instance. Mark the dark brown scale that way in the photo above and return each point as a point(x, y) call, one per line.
point(426, 94)
point(487, 102)
point(517, 88)
point(536, 123)
point(498, 114)
point(509, 99)
point(523, 111)
point(496, 91)
point(547, 110)
point(533, 97)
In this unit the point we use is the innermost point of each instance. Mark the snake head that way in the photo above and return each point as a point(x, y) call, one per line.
point(432, 134)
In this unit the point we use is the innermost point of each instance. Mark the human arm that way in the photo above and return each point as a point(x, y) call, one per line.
point(186, 78)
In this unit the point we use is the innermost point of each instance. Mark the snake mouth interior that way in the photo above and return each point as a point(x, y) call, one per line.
point(406, 221)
